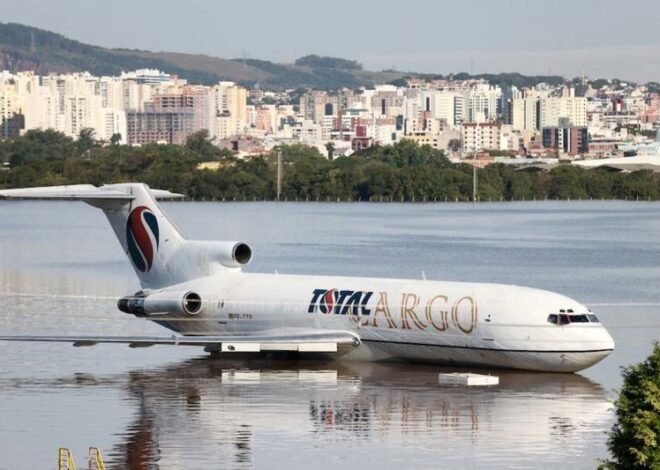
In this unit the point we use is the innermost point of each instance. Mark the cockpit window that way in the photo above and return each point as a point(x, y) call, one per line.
point(565, 319)
point(578, 318)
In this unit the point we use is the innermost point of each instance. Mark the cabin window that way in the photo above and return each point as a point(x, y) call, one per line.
point(592, 318)
point(552, 318)
point(563, 319)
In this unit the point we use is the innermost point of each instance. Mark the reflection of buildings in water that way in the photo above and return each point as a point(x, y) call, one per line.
point(352, 417)
point(216, 410)
point(140, 450)
point(175, 426)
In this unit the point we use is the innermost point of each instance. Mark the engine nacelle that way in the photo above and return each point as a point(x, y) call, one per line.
point(228, 254)
point(161, 303)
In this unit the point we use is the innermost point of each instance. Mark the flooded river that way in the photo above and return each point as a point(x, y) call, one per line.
point(61, 271)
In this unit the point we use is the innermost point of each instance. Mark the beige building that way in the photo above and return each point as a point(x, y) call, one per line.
point(9, 104)
point(478, 137)
point(573, 108)
point(526, 113)
point(425, 123)
point(231, 109)
point(316, 105)
point(538, 110)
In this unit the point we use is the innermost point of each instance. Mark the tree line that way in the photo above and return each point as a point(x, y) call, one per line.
point(634, 440)
point(401, 172)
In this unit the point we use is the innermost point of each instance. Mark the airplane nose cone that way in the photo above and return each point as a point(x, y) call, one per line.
point(608, 341)
point(599, 346)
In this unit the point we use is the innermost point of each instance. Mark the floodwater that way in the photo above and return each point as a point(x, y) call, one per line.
point(61, 271)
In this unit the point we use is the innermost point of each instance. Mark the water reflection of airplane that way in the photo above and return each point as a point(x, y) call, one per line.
point(233, 411)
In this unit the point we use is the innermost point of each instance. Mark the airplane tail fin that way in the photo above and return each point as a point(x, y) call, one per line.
point(158, 252)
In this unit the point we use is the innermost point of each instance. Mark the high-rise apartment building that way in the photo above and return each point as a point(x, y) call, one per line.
point(484, 103)
point(151, 126)
point(567, 106)
point(566, 139)
point(230, 104)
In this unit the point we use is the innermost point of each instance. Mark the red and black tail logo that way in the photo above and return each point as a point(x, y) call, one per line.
point(142, 237)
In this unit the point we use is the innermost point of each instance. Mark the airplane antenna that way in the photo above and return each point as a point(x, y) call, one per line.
point(423, 276)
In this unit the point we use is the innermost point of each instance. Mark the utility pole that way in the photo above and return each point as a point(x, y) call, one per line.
point(279, 174)
point(474, 178)
point(5, 117)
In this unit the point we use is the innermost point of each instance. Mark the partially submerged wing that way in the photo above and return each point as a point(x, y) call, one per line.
point(301, 341)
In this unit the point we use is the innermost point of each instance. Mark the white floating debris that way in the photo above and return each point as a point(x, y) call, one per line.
point(467, 379)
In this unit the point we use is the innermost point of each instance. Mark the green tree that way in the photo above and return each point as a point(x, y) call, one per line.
point(328, 62)
point(37, 145)
point(454, 145)
point(405, 171)
point(201, 144)
point(599, 83)
point(294, 152)
point(330, 147)
point(86, 140)
point(115, 139)
point(567, 182)
point(634, 441)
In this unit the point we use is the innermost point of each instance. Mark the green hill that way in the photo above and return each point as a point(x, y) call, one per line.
point(28, 48)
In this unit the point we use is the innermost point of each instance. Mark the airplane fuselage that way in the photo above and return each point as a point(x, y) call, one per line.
point(198, 289)
point(482, 325)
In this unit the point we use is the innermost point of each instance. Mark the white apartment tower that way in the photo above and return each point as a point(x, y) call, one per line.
point(230, 101)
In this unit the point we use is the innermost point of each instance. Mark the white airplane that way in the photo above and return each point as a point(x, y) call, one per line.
point(199, 290)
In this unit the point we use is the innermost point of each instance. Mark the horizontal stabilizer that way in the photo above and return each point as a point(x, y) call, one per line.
point(82, 192)
point(149, 238)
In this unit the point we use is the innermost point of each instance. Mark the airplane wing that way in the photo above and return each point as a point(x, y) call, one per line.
point(301, 341)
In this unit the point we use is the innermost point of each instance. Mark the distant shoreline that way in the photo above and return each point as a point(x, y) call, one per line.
point(403, 173)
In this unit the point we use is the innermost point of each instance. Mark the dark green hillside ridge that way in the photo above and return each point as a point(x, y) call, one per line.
point(28, 48)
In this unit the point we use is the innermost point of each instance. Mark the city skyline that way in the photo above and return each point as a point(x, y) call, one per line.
point(464, 117)
point(599, 39)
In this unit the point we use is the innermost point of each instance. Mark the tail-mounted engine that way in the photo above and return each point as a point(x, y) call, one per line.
point(162, 303)
point(225, 254)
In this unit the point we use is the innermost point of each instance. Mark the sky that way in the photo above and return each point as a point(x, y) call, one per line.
point(600, 38)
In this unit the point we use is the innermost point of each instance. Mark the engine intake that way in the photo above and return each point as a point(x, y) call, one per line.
point(242, 253)
point(192, 303)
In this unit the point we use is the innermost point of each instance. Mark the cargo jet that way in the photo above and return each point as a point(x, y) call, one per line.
point(198, 290)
